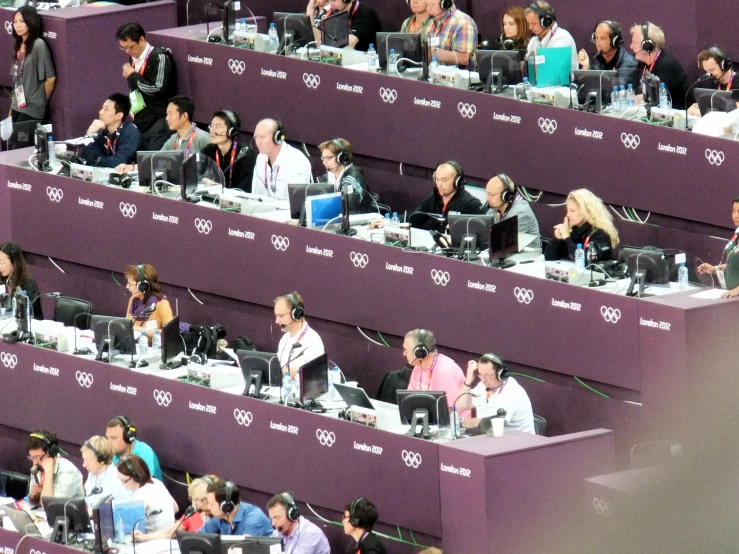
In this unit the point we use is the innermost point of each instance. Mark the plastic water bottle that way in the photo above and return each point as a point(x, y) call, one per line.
point(156, 344)
point(274, 41)
point(433, 66)
point(527, 91)
point(142, 345)
point(288, 386)
point(622, 98)
point(52, 151)
point(396, 219)
point(120, 536)
point(26, 504)
point(333, 377)
point(372, 59)
point(580, 258)
point(616, 105)
point(392, 62)
point(663, 101)
point(682, 277)
point(630, 96)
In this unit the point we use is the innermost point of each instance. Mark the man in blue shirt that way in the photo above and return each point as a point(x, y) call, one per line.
point(121, 433)
point(230, 516)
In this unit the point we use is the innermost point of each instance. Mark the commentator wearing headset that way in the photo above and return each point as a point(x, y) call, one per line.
point(230, 516)
point(514, 31)
point(545, 31)
point(336, 156)
point(431, 369)
point(505, 202)
point(121, 432)
point(299, 535)
point(290, 316)
point(147, 307)
point(97, 459)
point(14, 273)
point(608, 38)
point(420, 21)
point(360, 516)
point(449, 195)
point(717, 64)
point(51, 475)
point(278, 164)
point(159, 506)
point(587, 222)
point(115, 138)
point(727, 270)
point(452, 34)
point(236, 161)
point(364, 23)
point(496, 389)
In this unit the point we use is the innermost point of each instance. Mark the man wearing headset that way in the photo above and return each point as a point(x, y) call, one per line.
point(608, 39)
point(496, 389)
point(431, 369)
point(647, 44)
point(230, 516)
point(364, 23)
point(299, 535)
point(51, 475)
point(278, 164)
point(545, 31)
point(360, 516)
point(235, 160)
point(449, 195)
point(121, 433)
point(115, 139)
point(716, 62)
point(452, 35)
point(505, 202)
point(290, 316)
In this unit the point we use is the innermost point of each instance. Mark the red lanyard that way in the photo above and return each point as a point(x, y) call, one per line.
point(586, 242)
point(488, 394)
point(218, 160)
point(300, 337)
point(651, 66)
point(440, 32)
point(431, 373)
point(146, 59)
point(111, 149)
point(189, 143)
point(731, 80)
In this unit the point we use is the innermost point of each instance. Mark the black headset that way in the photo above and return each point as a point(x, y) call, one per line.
point(296, 309)
point(722, 58)
point(458, 179)
point(509, 193)
point(546, 17)
point(233, 126)
point(353, 518)
point(291, 508)
point(421, 350)
point(279, 135)
point(228, 506)
point(207, 480)
point(52, 446)
point(446, 5)
point(129, 431)
point(617, 37)
point(501, 371)
point(647, 44)
point(342, 156)
point(142, 283)
point(100, 458)
point(134, 474)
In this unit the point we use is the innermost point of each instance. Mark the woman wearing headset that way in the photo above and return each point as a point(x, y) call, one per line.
point(97, 458)
point(336, 156)
point(147, 307)
point(134, 474)
point(728, 269)
point(514, 31)
point(360, 516)
point(235, 160)
point(14, 273)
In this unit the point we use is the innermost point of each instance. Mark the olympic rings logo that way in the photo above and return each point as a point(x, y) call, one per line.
point(359, 260)
point(311, 80)
point(467, 110)
point(280, 243)
point(243, 417)
point(84, 379)
point(54, 194)
point(236, 66)
point(524, 296)
point(602, 507)
point(203, 226)
point(611, 315)
point(714, 157)
point(326, 438)
point(412, 459)
point(163, 398)
point(388, 95)
point(547, 125)
point(440, 277)
point(128, 210)
point(8, 360)
point(630, 141)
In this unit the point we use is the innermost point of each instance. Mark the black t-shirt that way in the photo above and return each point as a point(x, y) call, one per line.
point(462, 202)
point(565, 249)
point(371, 544)
point(243, 168)
point(31, 288)
point(672, 74)
point(364, 24)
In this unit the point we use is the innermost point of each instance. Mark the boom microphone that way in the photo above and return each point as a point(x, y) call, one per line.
point(188, 513)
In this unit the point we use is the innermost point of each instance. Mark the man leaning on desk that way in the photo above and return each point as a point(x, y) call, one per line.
point(115, 139)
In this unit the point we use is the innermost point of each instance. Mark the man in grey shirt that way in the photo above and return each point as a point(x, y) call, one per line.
point(505, 202)
point(51, 475)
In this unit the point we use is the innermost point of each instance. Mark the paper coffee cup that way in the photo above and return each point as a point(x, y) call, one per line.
point(498, 425)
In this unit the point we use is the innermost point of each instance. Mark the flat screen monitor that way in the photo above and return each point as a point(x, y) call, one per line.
point(335, 30)
point(645, 266)
point(433, 402)
point(102, 517)
point(254, 545)
point(199, 543)
point(354, 396)
point(594, 88)
point(228, 20)
point(23, 134)
point(41, 142)
point(650, 90)
point(294, 29)
point(22, 313)
point(407, 45)
point(189, 177)
point(503, 242)
point(712, 100)
point(112, 334)
point(166, 165)
point(172, 344)
point(478, 226)
point(297, 192)
point(77, 518)
point(313, 379)
point(258, 368)
point(499, 69)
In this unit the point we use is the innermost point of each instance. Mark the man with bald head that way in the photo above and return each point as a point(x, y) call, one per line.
point(505, 202)
point(278, 163)
point(608, 39)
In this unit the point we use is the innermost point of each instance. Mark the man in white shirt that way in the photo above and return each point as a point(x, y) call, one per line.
point(278, 163)
point(546, 33)
point(290, 316)
point(496, 389)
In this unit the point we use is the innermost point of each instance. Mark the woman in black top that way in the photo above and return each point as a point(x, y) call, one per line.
point(588, 223)
point(235, 160)
point(14, 273)
point(360, 517)
point(728, 268)
point(337, 158)
point(514, 31)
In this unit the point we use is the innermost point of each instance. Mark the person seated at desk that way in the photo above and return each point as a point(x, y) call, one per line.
point(121, 433)
point(115, 138)
point(197, 492)
point(589, 223)
point(230, 516)
point(187, 136)
point(727, 269)
point(135, 476)
point(431, 369)
point(647, 44)
point(14, 273)
point(147, 307)
point(97, 459)
point(716, 62)
point(236, 161)
point(336, 156)
point(505, 202)
point(420, 21)
point(452, 34)
point(449, 195)
point(608, 39)
point(364, 23)
point(290, 316)
point(546, 32)
point(299, 535)
point(496, 389)
point(278, 164)
point(360, 516)
point(514, 31)
point(51, 475)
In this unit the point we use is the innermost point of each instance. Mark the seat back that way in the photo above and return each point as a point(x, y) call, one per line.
point(67, 309)
point(14, 485)
point(540, 425)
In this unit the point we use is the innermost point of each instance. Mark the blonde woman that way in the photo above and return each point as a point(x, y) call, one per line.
point(588, 223)
point(97, 459)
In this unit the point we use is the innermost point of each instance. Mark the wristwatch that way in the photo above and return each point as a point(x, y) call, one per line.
point(436, 51)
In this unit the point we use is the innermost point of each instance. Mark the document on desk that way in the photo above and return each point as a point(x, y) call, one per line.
point(709, 294)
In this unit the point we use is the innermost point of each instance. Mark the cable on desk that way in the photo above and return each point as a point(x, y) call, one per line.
point(195, 298)
point(590, 388)
point(615, 211)
point(305, 150)
point(55, 264)
point(369, 339)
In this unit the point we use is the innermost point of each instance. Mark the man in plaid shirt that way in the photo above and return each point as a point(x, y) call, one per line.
point(452, 35)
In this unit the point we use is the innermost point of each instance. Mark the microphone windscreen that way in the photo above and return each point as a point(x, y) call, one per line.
point(296, 345)
point(282, 325)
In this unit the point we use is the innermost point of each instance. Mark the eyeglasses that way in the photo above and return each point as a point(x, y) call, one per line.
point(130, 284)
point(36, 459)
point(198, 500)
point(487, 376)
point(280, 316)
point(494, 194)
point(216, 127)
point(327, 158)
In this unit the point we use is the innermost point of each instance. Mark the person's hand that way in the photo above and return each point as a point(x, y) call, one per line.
point(562, 231)
point(446, 241)
point(706, 268)
point(694, 110)
point(731, 293)
point(123, 168)
point(47, 464)
point(140, 536)
point(583, 59)
point(35, 490)
point(127, 70)
point(208, 181)
point(378, 223)
point(95, 126)
point(471, 422)
point(471, 371)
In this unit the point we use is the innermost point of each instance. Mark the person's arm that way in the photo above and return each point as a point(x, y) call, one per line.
point(583, 59)
point(162, 74)
point(310, 11)
point(49, 86)
point(465, 402)
point(166, 533)
point(710, 269)
point(463, 43)
point(129, 141)
point(48, 464)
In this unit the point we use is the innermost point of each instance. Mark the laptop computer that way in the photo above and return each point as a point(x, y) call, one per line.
point(21, 520)
point(388, 415)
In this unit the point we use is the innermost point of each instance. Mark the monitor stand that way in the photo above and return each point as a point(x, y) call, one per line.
point(314, 406)
point(502, 263)
point(420, 417)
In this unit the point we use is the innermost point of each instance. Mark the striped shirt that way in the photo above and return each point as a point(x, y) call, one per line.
point(457, 32)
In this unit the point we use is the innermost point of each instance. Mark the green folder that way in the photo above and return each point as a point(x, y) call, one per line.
point(550, 67)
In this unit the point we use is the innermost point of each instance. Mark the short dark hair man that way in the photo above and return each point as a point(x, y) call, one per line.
point(51, 475)
point(121, 433)
point(299, 535)
point(151, 82)
point(364, 23)
point(608, 38)
point(230, 516)
point(360, 516)
point(115, 138)
point(716, 62)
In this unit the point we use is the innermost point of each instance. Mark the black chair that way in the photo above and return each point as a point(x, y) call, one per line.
point(540, 425)
point(67, 309)
point(14, 485)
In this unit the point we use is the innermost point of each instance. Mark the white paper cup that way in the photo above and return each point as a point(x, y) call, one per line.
point(498, 425)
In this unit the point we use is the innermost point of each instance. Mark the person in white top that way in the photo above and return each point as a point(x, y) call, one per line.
point(290, 316)
point(97, 458)
point(546, 33)
point(159, 506)
point(278, 163)
point(496, 389)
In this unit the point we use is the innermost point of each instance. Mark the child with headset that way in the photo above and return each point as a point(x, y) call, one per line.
point(159, 506)
point(51, 475)
point(102, 476)
point(147, 306)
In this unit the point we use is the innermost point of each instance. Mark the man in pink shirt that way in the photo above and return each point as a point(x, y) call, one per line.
point(431, 370)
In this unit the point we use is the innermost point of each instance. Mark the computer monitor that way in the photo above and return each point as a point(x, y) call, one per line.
point(228, 20)
point(172, 344)
point(41, 142)
point(712, 100)
point(190, 176)
point(354, 396)
point(22, 313)
point(470, 233)
point(335, 30)
point(499, 69)
point(297, 192)
point(407, 45)
point(102, 517)
point(650, 90)
point(294, 29)
point(199, 543)
point(313, 379)
point(430, 406)
point(645, 266)
point(503, 242)
point(258, 368)
point(167, 166)
point(113, 335)
point(594, 88)
point(68, 514)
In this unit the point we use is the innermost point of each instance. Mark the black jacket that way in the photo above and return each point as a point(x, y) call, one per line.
point(123, 146)
point(157, 85)
point(625, 65)
point(365, 202)
point(393, 381)
point(462, 202)
point(370, 545)
point(565, 249)
point(243, 169)
point(31, 288)
point(672, 74)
